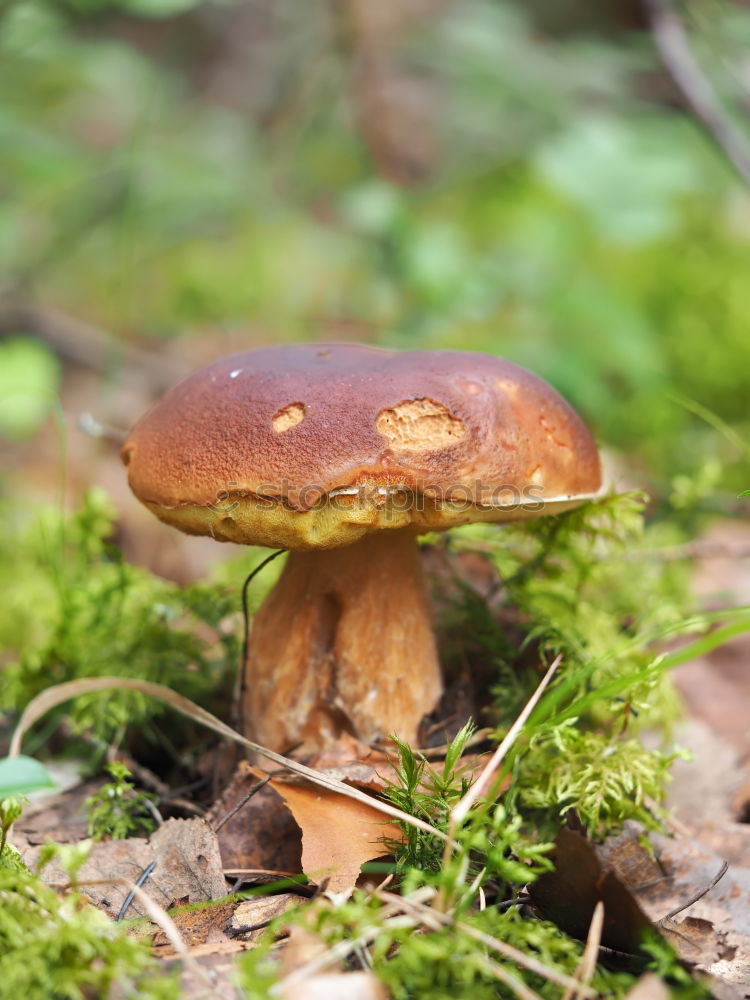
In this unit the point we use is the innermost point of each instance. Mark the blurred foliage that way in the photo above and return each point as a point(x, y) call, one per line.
point(29, 376)
point(564, 214)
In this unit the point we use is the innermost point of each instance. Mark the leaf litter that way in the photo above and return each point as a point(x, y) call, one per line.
point(649, 880)
point(639, 883)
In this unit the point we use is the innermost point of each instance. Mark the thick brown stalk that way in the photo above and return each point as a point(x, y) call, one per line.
point(343, 643)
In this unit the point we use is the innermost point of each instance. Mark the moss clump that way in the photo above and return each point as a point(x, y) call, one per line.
point(116, 810)
point(10, 860)
point(59, 947)
point(83, 611)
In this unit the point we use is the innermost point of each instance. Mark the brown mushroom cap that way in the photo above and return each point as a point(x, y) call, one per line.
point(313, 446)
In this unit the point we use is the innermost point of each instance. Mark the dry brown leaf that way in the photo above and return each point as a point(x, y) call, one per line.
point(188, 867)
point(61, 818)
point(691, 867)
point(187, 849)
point(569, 894)
point(336, 986)
point(338, 834)
point(649, 987)
point(712, 933)
point(697, 941)
point(259, 910)
point(202, 928)
point(262, 833)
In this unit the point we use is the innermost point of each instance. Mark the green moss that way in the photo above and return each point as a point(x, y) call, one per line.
point(606, 780)
point(59, 947)
point(116, 810)
point(93, 614)
point(10, 860)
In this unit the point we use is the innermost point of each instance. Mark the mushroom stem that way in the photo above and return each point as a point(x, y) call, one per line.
point(343, 643)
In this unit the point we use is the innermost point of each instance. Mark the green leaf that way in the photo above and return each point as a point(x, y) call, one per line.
point(21, 775)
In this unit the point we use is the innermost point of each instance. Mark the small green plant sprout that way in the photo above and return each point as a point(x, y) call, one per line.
point(10, 810)
point(117, 810)
point(492, 847)
point(428, 793)
point(745, 493)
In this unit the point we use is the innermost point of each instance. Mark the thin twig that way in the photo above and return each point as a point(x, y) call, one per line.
point(587, 966)
point(185, 804)
point(477, 737)
point(59, 693)
point(699, 895)
point(85, 345)
point(485, 779)
point(674, 46)
point(234, 872)
point(243, 802)
point(145, 874)
point(240, 688)
point(501, 948)
point(150, 808)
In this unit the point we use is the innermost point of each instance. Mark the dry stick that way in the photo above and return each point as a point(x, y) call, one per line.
point(674, 46)
point(88, 346)
point(483, 782)
point(59, 693)
point(506, 951)
point(587, 965)
point(698, 895)
point(429, 918)
point(234, 872)
point(159, 916)
point(243, 802)
point(477, 737)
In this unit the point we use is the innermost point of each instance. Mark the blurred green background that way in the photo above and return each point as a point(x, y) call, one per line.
point(181, 179)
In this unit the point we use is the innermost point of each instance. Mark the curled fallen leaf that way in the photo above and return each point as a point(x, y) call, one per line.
point(338, 834)
point(569, 894)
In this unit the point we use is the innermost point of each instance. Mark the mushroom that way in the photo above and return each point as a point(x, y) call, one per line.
point(343, 454)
